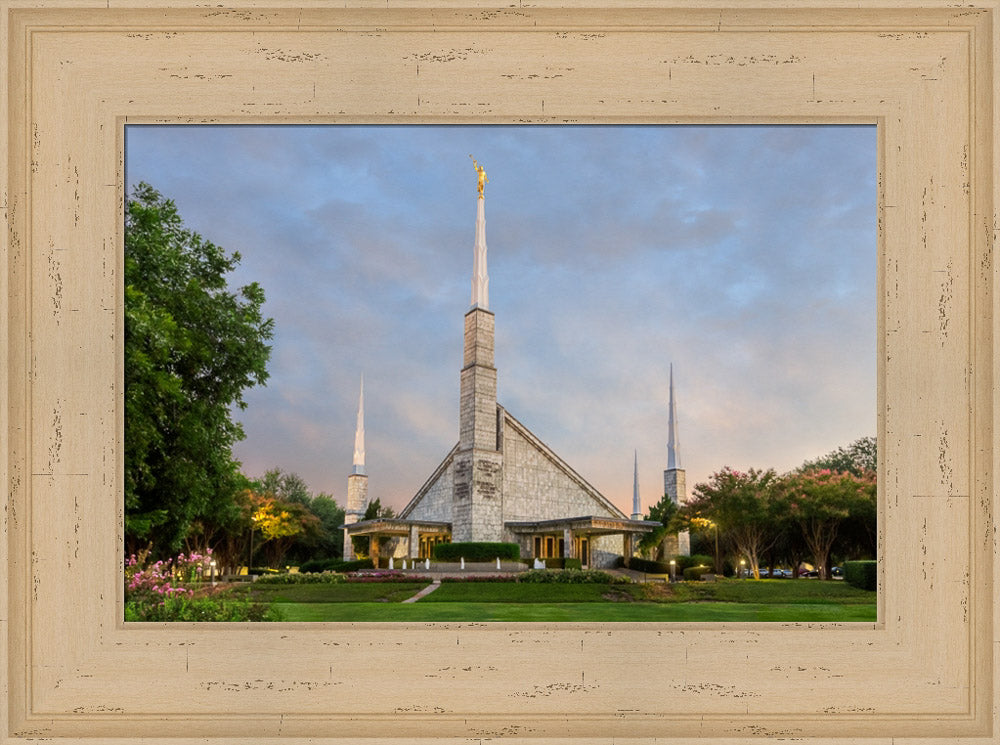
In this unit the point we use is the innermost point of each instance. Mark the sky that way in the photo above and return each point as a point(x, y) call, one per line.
point(743, 255)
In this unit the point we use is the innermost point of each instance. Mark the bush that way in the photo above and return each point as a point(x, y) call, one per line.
point(862, 574)
point(301, 579)
point(559, 562)
point(215, 607)
point(651, 567)
point(473, 551)
point(391, 575)
point(334, 565)
point(684, 562)
point(482, 578)
point(571, 576)
point(694, 573)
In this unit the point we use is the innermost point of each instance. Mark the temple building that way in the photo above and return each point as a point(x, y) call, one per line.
point(499, 482)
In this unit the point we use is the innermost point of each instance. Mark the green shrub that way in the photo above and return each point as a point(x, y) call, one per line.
point(571, 576)
point(477, 551)
point(651, 567)
point(704, 560)
point(862, 574)
point(695, 572)
point(301, 579)
point(572, 564)
point(559, 562)
point(217, 607)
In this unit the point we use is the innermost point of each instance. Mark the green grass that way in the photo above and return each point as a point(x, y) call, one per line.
point(347, 592)
point(513, 592)
point(772, 591)
point(724, 600)
point(558, 612)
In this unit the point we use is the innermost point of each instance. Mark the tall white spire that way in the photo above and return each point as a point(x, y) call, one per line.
point(359, 433)
point(480, 279)
point(673, 443)
point(636, 504)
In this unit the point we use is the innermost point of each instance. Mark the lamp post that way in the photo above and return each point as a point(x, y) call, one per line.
point(743, 568)
point(673, 564)
point(212, 565)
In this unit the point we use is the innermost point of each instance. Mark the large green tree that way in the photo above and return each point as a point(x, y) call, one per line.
point(745, 507)
point(821, 502)
point(192, 347)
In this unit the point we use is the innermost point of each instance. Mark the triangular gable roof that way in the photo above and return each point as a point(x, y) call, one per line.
point(429, 483)
point(559, 463)
point(541, 447)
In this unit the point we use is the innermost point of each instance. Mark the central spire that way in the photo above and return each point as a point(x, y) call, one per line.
point(480, 279)
point(359, 433)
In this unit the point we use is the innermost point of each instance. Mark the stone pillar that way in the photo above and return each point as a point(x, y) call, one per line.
point(569, 551)
point(373, 548)
point(357, 500)
point(675, 486)
point(413, 549)
point(477, 510)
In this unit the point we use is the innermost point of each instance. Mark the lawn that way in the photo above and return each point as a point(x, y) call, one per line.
point(347, 592)
point(558, 612)
point(725, 600)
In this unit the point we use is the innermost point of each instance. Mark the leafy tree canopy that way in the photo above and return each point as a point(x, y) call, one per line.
point(192, 347)
point(375, 510)
point(858, 458)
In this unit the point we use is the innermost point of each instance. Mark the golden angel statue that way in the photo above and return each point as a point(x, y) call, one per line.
point(481, 172)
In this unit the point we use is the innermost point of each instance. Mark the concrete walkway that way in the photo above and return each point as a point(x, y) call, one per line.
point(424, 592)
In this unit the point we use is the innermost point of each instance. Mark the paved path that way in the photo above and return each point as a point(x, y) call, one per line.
point(426, 591)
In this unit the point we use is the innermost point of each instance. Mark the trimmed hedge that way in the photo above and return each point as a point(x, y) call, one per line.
point(861, 574)
point(335, 565)
point(558, 562)
point(694, 573)
point(650, 567)
point(684, 562)
point(476, 551)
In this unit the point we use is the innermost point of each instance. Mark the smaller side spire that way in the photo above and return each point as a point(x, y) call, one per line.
point(673, 442)
point(359, 433)
point(636, 503)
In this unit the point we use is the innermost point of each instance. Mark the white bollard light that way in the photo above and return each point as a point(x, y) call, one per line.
point(390, 563)
point(498, 562)
point(462, 560)
point(427, 563)
point(404, 563)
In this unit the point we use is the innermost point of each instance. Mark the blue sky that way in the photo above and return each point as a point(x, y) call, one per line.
point(744, 255)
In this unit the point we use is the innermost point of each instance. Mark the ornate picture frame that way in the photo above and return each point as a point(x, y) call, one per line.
point(75, 73)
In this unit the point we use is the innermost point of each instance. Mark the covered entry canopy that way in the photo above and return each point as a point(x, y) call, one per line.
point(572, 529)
point(412, 530)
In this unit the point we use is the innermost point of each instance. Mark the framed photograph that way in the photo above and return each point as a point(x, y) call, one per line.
point(75, 77)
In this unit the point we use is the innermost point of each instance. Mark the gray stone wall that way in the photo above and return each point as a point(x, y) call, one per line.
point(536, 488)
point(436, 503)
point(477, 502)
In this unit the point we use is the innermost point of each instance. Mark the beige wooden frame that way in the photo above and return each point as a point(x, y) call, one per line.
point(75, 71)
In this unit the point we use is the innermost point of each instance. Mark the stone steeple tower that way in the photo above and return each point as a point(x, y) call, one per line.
point(357, 482)
point(477, 498)
point(674, 478)
point(636, 503)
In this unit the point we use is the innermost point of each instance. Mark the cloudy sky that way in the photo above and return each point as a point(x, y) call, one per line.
point(743, 255)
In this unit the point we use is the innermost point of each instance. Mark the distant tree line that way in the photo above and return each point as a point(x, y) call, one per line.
point(822, 511)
